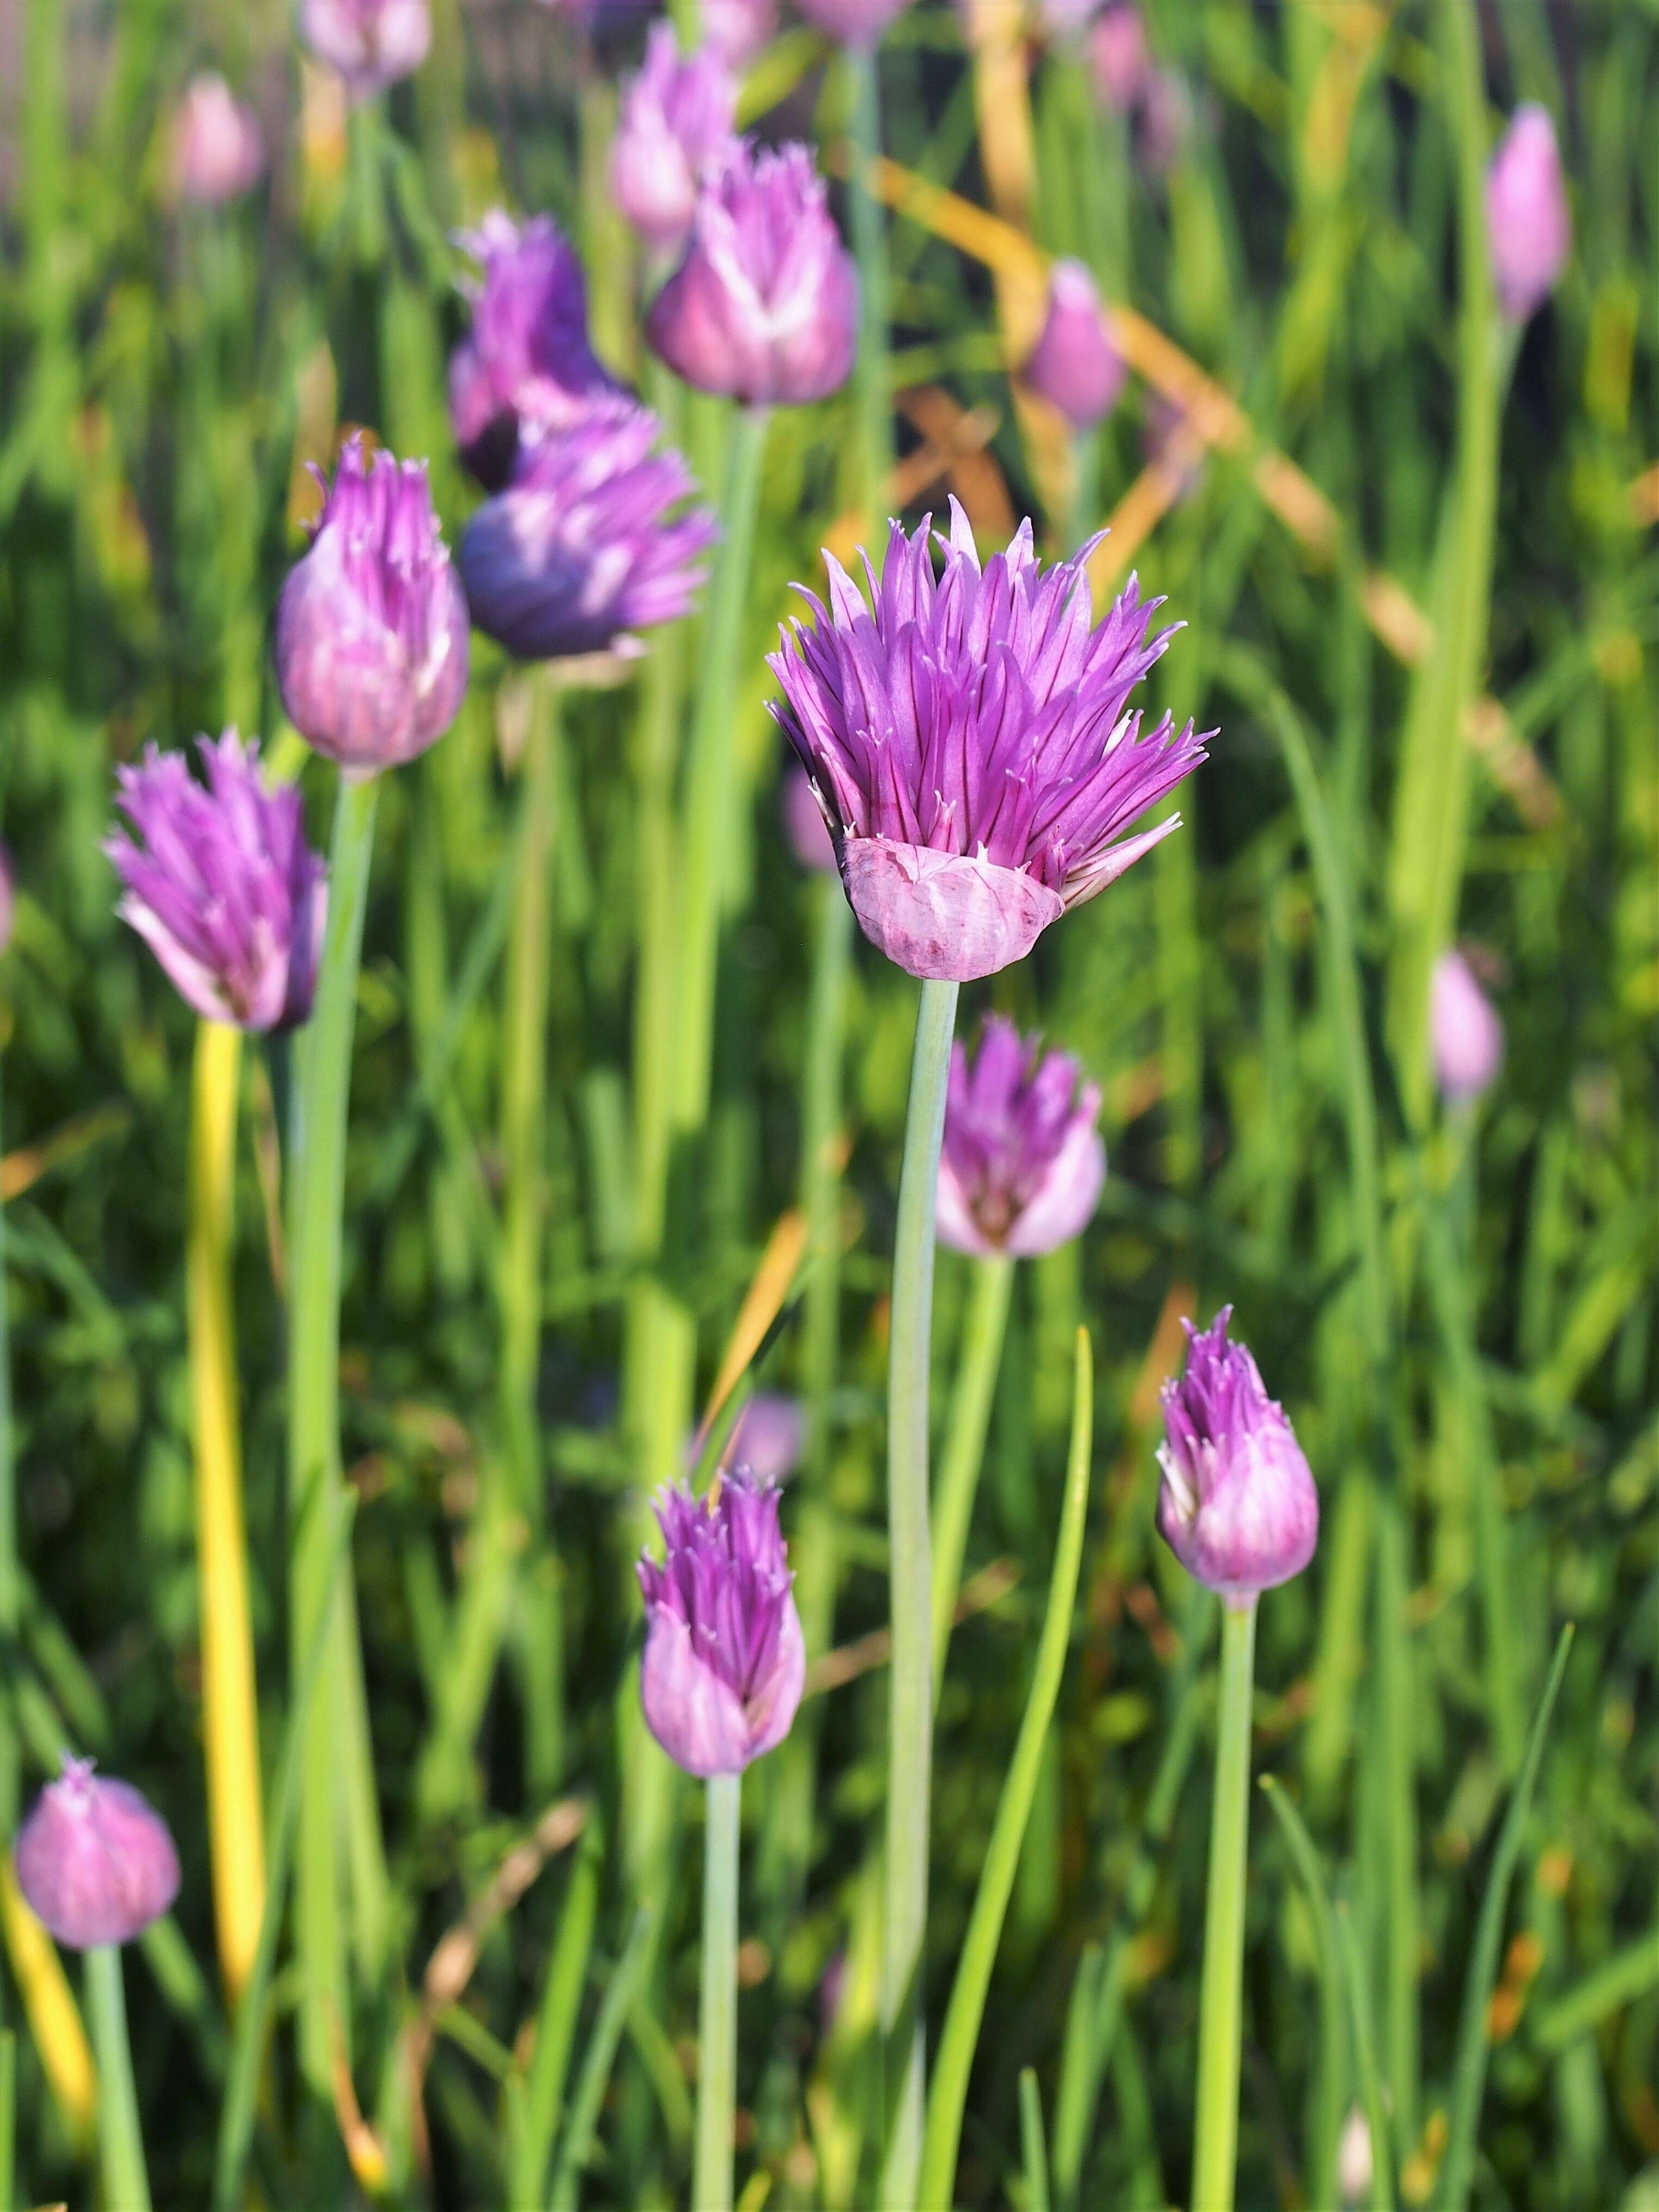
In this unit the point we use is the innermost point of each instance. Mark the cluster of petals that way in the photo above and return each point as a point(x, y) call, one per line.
point(217, 152)
point(95, 1860)
point(370, 43)
point(1023, 1162)
point(1074, 366)
point(589, 543)
point(1528, 229)
point(1236, 1503)
point(724, 1662)
point(764, 305)
point(371, 640)
point(1464, 1030)
point(676, 116)
point(223, 887)
point(971, 744)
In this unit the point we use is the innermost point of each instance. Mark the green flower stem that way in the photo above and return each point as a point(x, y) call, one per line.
point(317, 1170)
point(120, 2145)
point(910, 1707)
point(717, 2014)
point(871, 371)
point(1216, 2148)
point(964, 1447)
point(820, 1182)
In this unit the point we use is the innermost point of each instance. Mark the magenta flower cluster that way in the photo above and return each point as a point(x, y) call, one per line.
point(971, 743)
point(1023, 1161)
point(95, 1860)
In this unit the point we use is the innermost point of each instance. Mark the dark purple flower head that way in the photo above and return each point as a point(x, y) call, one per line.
point(1528, 229)
point(972, 747)
point(95, 1860)
point(723, 1663)
point(581, 549)
point(1023, 1162)
point(1237, 1504)
point(852, 23)
point(676, 116)
point(223, 888)
point(1074, 366)
point(526, 360)
point(371, 628)
point(763, 307)
point(372, 43)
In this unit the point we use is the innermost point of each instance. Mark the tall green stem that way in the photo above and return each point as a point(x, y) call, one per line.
point(1400, 2036)
point(717, 2014)
point(872, 377)
point(120, 2144)
point(964, 1447)
point(317, 1171)
point(1219, 2024)
point(910, 1707)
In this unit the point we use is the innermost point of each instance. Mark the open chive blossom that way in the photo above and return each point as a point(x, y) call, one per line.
point(222, 885)
point(95, 1860)
point(763, 306)
point(372, 637)
point(371, 43)
point(1023, 1162)
point(1528, 229)
point(526, 361)
point(971, 744)
point(676, 115)
point(1236, 1503)
point(590, 543)
point(725, 1663)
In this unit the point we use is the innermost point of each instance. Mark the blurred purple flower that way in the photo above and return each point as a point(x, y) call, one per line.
point(580, 550)
point(768, 1441)
point(95, 1860)
point(803, 821)
point(526, 360)
point(1119, 57)
point(372, 43)
point(1172, 444)
point(1074, 366)
point(1023, 1162)
point(1466, 1033)
point(217, 148)
point(223, 889)
point(1236, 1503)
point(1528, 225)
point(8, 899)
point(676, 115)
point(1166, 120)
point(739, 30)
point(972, 747)
point(852, 23)
point(371, 642)
point(763, 307)
point(725, 1663)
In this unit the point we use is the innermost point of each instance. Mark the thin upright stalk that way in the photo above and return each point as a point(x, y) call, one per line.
point(717, 2012)
point(911, 1706)
point(820, 1181)
point(317, 1172)
point(230, 1713)
point(964, 1445)
point(1220, 2022)
point(1401, 2035)
point(871, 374)
point(120, 2144)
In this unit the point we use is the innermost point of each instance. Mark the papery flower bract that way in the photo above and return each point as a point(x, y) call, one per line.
point(852, 23)
point(223, 888)
point(1023, 1161)
point(371, 43)
point(676, 115)
point(971, 744)
point(803, 821)
point(1529, 229)
point(1464, 1029)
point(580, 550)
point(1236, 1503)
point(739, 30)
point(372, 638)
point(94, 1859)
point(763, 306)
point(8, 899)
point(1074, 366)
point(1119, 58)
point(217, 148)
point(526, 360)
point(725, 1663)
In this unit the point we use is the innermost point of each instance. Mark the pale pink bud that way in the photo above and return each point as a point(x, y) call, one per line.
point(217, 148)
point(1528, 229)
point(1074, 366)
point(94, 1859)
point(1466, 1034)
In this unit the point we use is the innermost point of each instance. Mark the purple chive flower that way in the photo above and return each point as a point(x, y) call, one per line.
point(852, 23)
point(223, 888)
point(1023, 1162)
point(580, 550)
point(768, 1441)
point(725, 1663)
point(739, 29)
point(763, 307)
point(371, 628)
point(1074, 366)
point(1063, 18)
point(1464, 1029)
point(526, 359)
point(1529, 229)
point(95, 1860)
point(372, 43)
point(217, 152)
point(1119, 56)
point(803, 822)
point(676, 116)
point(8, 899)
point(972, 747)
point(1237, 1504)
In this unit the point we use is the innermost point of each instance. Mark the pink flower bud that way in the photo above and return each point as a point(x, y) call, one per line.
point(1528, 229)
point(676, 116)
point(371, 43)
point(739, 30)
point(1074, 366)
point(1022, 1163)
point(1466, 1035)
point(1118, 56)
point(768, 1441)
point(217, 148)
point(95, 1860)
